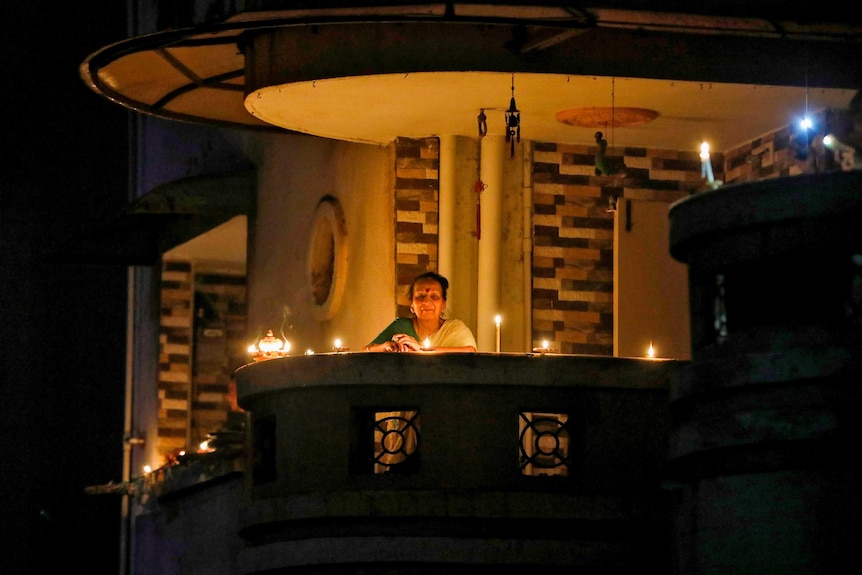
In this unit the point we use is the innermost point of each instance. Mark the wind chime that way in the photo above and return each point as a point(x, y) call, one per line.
point(513, 134)
point(513, 121)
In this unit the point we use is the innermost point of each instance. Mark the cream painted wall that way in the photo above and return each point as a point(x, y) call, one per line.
point(297, 172)
point(515, 294)
point(650, 287)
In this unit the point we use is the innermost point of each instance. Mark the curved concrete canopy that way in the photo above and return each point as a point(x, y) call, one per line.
point(377, 109)
point(371, 74)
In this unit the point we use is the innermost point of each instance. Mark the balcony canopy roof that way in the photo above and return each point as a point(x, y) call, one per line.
point(362, 71)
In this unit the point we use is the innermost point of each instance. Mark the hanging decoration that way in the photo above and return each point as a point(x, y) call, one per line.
point(479, 187)
point(605, 166)
point(483, 123)
point(513, 121)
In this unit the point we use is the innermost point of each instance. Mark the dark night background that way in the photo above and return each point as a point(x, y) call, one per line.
point(63, 326)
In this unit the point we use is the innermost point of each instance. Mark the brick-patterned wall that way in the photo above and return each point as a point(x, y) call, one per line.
point(219, 348)
point(201, 344)
point(417, 187)
point(175, 338)
point(573, 243)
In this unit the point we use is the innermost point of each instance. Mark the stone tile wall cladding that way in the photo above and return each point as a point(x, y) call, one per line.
point(175, 338)
point(201, 343)
point(417, 191)
point(573, 233)
point(220, 348)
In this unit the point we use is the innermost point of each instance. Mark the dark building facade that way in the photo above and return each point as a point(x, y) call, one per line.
point(565, 449)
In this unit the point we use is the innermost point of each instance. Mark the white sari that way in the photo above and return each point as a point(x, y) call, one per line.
point(453, 333)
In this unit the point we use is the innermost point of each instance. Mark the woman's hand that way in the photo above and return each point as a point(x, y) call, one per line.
point(406, 342)
point(388, 346)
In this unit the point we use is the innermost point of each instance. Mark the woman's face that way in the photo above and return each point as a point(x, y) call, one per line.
point(428, 302)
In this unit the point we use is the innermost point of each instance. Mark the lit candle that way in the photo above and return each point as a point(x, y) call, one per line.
point(651, 350)
point(544, 349)
point(309, 351)
point(705, 163)
point(497, 321)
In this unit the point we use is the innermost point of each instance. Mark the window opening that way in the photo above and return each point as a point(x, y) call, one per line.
point(395, 436)
point(543, 443)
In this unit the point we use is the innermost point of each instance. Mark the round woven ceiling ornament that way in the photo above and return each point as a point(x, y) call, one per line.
point(606, 117)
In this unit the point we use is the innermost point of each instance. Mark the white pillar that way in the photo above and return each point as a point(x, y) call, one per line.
point(446, 205)
point(493, 154)
point(457, 250)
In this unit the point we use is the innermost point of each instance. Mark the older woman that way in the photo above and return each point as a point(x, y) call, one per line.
point(427, 330)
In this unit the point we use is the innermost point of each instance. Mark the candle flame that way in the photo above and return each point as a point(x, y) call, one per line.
point(651, 350)
point(498, 320)
point(427, 344)
point(704, 151)
point(337, 344)
point(544, 344)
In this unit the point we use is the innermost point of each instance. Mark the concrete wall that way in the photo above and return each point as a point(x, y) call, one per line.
point(297, 173)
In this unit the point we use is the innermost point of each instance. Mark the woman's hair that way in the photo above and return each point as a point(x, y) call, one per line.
point(434, 276)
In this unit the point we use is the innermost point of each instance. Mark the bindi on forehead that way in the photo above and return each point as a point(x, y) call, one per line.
point(427, 290)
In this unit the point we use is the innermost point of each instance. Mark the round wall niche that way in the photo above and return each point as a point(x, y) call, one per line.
point(327, 258)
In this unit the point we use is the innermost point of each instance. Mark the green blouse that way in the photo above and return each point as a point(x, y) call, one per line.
point(400, 325)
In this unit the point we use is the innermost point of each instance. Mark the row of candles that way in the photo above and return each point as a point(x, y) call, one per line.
point(271, 347)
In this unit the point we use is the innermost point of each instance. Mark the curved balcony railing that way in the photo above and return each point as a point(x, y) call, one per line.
point(463, 459)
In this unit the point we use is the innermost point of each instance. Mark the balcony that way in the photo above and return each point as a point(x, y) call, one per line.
point(458, 461)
